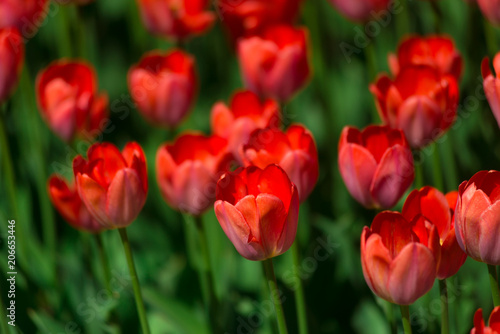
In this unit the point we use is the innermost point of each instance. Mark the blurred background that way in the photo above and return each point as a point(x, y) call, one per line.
point(345, 58)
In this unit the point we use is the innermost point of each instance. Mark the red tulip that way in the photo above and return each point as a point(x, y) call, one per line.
point(74, 2)
point(491, 10)
point(12, 58)
point(276, 63)
point(493, 322)
point(163, 86)
point(69, 204)
point(429, 206)
point(438, 52)
point(252, 17)
point(420, 101)
point(477, 217)
point(491, 85)
point(258, 210)
point(244, 114)
point(294, 151)
point(360, 10)
point(68, 99)
point(376, 165)
point(187, 171)
point(25, 15)
point(112, 184)
point(176, 19)
point(399, 259)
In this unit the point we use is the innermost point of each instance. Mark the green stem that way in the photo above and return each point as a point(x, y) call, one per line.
point(135, 281)
point(450, 166)
point(64, 35)
point(206, 276)
point(300, 302)
point(389, 314)
point(419, 175)
point(275, 296)
point(436, 169)
point(405, 313)
point(403, 23)
point(371, 60)
point(438, 13)
point(489, 34)
point(445, 325)
point(104, 263)
point(495, 292)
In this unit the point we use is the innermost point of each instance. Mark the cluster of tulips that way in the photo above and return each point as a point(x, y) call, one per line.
point(252, 171)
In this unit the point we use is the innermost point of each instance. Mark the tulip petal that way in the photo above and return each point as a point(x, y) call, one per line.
point(478, 204)
point(272, 217)
point(452, 256)
point(489, 234)
point(478, 322)
point(94, 198)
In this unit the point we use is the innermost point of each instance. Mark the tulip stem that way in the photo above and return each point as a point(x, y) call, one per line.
point(443, 289)
point(489, 34)
point(135, 281)
point(438, 13)
point(436, 169)
point(495, 292)
point(104, 263)
point(403, 22)
point(419, 175)
point(371, 60)
point(405, 313)
point(64, 43)
point(275, 295)
point(206, 276)
point(300, 301)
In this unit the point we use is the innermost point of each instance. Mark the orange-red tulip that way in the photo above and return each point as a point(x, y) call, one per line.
point(113, 185)
point(258, 210)
point(430, 206)
point(491, 10)
point(69, 100)
point(420, 101)
point(244, 114)
point(493, 322)
point(399, 258)
point(12, 58)
point(294, 151)
point(435, 51)
point(176, 19)
point(477, 217)
point(376, 165)
point(68, 203)
point(25, 15)
point(188, 169)
point(491, 85)
point(275, 64)
point(163, 86)
point(360, 10)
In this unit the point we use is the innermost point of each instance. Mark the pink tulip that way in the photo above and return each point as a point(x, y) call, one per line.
point(399, 258)
point(491, 10)
point(360, 10)
point(491, 85)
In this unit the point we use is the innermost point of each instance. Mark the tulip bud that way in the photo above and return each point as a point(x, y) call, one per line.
point(12, 58)
point(188, 169)
point(491, 85)
point(477, 217)
point(294, 151)
point(163, 86)
point(399, 258)
point(258, 210)
point(68, 203)
point(275, 64)
point(113, 185)
point(376, 165)
point(68, 99)
point(493, 322)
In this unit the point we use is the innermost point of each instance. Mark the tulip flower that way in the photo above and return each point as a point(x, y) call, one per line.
point(493, 322)
point(12, 58)
point(294, 151)
point(69, 101)
point(258, 210)
point(376, 165)
point(430, 206)
point(163, 86)
point(438, 52)
point(68, 203)
point(476, 217)
point(74, 2)
point(25, 15)
point(244, 114)
point(188, 169)
point(176, 19)
point(275, 64)
point(491, 85)
point(361, 10)
point(113, 185)
point(491, 10)
point(420, 101)
point(252, 17)
point(399, 258)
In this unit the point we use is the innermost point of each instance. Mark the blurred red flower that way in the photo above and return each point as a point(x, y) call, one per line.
point(493, 322)
point(491, 85)
point(491, 10)
point(112, 184)
point(163, 86)
point(68, 99)
point(258, 210)
point(12, 58)
point(25, 15)
point(360, 10)
point(376, 165)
